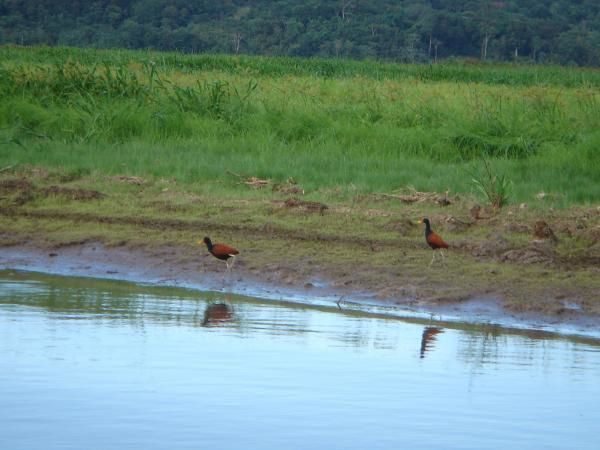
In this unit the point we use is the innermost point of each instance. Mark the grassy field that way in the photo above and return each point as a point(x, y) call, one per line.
point(333, 126)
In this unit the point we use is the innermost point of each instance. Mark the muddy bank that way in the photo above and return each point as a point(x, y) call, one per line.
point(536, 267)
point(177, 266)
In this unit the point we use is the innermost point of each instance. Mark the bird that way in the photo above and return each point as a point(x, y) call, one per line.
point(221, 251)
point(433, 239)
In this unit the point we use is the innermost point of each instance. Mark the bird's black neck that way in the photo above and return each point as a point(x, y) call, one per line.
point(209, 244)
point(427, 229)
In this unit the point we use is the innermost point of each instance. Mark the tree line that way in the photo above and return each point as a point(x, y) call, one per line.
point(563, 32)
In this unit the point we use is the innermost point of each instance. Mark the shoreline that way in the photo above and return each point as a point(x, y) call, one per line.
point(147, 266)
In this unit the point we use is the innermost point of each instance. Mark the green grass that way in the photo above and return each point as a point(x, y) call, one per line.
point(353, 127)
point(463, 71)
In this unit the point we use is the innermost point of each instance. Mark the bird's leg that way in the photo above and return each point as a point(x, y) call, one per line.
point(432, 259)
point(443, 257)
point(228, 264)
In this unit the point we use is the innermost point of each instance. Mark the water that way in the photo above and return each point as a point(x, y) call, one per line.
point(90, 364)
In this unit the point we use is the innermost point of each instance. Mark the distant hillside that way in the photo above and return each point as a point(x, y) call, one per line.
point(544, 31)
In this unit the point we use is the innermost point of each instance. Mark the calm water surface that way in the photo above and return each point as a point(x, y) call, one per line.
point(90, 364)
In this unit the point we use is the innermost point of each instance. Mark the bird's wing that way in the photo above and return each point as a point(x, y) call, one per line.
point(436, 240)
point(222, 249)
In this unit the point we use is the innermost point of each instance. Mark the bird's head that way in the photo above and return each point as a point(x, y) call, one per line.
point(424, 220)
point(206, 241)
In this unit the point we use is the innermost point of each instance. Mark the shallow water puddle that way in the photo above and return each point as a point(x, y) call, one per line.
point(88, 364)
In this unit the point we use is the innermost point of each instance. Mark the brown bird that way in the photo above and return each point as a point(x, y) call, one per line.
point(221, 251)
point(433, 239)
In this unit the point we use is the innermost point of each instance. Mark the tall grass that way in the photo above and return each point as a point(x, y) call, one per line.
point(463, 71)
point(327, 123)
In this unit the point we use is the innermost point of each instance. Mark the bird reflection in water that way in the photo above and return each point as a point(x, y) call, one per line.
point(217, 314)
point(428, 339)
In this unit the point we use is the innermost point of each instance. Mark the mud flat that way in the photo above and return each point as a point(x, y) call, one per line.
point(166, 267)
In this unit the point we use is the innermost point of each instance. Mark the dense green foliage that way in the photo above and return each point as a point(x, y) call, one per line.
point(548, 31)
point(352, 131)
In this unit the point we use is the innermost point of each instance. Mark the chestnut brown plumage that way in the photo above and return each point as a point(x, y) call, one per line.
point(221, 251)
point(433, 239)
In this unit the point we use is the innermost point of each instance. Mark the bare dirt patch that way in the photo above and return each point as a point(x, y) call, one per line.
point(15, 184)
point(72, 193)
point(25, 190)
point(306, 205)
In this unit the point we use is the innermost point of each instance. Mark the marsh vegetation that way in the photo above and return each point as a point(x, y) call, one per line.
point(356, 127)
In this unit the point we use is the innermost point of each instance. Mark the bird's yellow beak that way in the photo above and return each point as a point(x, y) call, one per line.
point(200, 242)
point(420, 221)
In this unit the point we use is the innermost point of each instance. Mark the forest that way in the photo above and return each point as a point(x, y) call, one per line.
point(565, 32)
